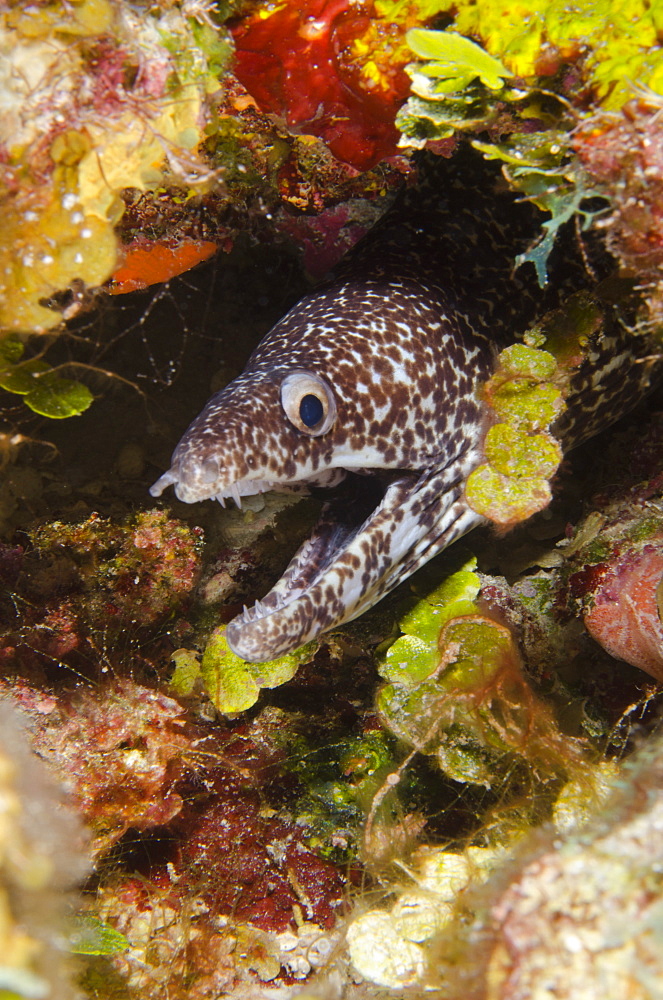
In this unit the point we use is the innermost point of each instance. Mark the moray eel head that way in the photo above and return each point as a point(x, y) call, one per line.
point(372, 411)
point(260, 433)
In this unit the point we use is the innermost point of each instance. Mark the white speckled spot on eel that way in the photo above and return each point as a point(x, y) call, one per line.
point(376, 374)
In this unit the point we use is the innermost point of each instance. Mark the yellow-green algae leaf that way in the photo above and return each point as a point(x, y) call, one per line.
point(528, 362)
point(506, 500)
point(186, 674)
point(21, 378)
point(42, 390)
point(233, 684)
point(92, 937)
point(58, 398)
point(618, 39)
point(521, 456)
point(523, 391)
point(455, 714)
point(479, 646)
point(520, 402)
point(456, 59)
point(415, 655)
point(514, 452)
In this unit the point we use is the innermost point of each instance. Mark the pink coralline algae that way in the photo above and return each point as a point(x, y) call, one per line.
point(625, 616)
point(119, 749)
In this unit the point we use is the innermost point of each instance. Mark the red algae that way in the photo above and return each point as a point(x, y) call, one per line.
point(119, 748)
point(253, 866)
point(296, 62)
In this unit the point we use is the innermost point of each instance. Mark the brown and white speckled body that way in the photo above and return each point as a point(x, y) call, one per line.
point(403, 336)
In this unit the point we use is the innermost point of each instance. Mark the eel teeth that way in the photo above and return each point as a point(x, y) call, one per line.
point(234, 492)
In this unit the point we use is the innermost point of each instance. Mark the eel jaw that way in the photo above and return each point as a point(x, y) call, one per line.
point(218, 489)
point(344, 568)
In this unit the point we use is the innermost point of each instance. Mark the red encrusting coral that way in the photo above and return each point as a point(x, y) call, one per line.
point(149, 262)
point(296, 61)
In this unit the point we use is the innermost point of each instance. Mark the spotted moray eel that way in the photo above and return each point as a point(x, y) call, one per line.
point(372, 380)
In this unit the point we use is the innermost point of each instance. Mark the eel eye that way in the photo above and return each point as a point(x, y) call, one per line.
point(308, 402)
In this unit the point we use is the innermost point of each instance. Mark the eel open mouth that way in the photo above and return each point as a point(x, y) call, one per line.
point(377, 528)
point(346, 512)
point(370, 536)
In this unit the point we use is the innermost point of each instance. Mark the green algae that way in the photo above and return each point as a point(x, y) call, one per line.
point(456, 691)
point(527, 77)
point(233, 684)
point(93, 937)
point(513, 452)
point(455, 62)
point(521, 455)
point(43, 391)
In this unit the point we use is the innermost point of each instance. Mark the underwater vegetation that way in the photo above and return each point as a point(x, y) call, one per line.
point(441, 798)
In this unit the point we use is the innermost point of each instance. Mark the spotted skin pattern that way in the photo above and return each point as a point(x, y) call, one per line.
point(404, 335)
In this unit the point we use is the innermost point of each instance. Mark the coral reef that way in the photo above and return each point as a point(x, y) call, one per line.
point(120, 755)
point(99, 98)
point(82, 587)
point(614, 562)
point(43, 855)
point(592, 900)
point(235, 819)
point(623, 154)
point(569, 100)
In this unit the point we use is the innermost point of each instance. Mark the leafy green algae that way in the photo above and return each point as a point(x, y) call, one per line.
point(617, 42)
point(521, 455)
point(526, 76)
point(233, 684)
point(455, 61)
point(456, 691)
point(43, 391)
